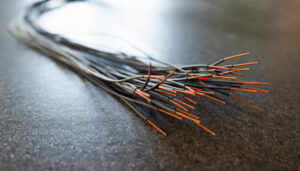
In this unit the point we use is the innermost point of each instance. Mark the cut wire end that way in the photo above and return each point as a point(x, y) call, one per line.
point(235, 56)
point(206, 128)
point(129, 82)
point(168, 113)
point(249, 63)
point(157, 128)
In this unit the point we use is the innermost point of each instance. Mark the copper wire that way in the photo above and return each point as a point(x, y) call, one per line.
point(168, 113)
point(243, 101)
point(128, 83)
point(172, 101)
point(157, 128)
point(193, 101)
point(196, 117)
point(205, 128)
point(179, 101)
point(235, 56)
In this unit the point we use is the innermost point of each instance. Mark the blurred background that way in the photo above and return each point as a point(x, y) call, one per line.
point(51, 118)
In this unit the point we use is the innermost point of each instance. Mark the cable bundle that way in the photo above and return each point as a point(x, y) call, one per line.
point(168, 89)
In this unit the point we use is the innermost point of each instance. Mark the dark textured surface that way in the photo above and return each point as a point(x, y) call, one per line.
point(50, 118)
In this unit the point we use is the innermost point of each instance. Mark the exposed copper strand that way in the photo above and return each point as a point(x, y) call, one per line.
point(164, 92)
point(235, 56)
point(196, 117)
point(224, 68)
point(249, 63)
point(205, 128)
point(157, 85)
point(211, 97)
point(187, 117)
point(254, 83)
point(167, 89)
point(155, 76)
point(168, 113)
point(257, 89)
point(178, 105)
point(143, 96)
point(179, 101)
point(243, 101)
point(144, 93)
point(157, 128)
point(193, 101)
point(246, 90)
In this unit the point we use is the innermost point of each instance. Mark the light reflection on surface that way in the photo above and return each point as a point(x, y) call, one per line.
point(61, 120)
point(93, 23)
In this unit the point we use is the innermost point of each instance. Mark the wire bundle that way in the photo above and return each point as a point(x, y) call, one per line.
point(168, 89)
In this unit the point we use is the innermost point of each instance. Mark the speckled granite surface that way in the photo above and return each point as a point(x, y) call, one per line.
point(51, 118)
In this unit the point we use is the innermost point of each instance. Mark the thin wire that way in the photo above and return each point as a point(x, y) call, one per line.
point(129, 78)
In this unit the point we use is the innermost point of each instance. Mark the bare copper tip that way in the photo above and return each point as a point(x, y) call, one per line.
point(187, 117)
point(249, 63)
point(246, 90)
point(235, 56)
point(239, 81)
point(243, 101)
point(200, 76)
point(187, 92)
point(196, 117)
point(172, 101)
point(220, 76)
point(189, 74)
point(142, 95)
point(206, 128)
point(219, 67)
point(238, 74)
point(157, 128)
point(211, 70)
point(172, 94)
point(155, 76)
point(202, 82)
point(244, 69)
point(173, 91)
point(201, 91)
point(202, 94)
point(254, 83)
point(168, 113)
point(179, 101)
point(257, 89)
point(193, 101)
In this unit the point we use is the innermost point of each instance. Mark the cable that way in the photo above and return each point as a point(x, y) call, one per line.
point(129, 77)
